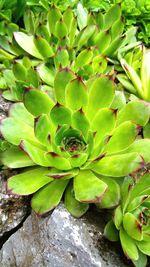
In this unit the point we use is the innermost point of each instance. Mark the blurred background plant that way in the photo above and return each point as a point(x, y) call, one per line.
point(135, 12)
point(86, 43)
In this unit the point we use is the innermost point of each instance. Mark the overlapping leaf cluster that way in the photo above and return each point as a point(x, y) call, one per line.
point(75, 130)
point(131, 220)
point(84, 44)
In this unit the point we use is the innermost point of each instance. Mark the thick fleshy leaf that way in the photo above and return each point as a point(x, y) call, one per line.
point(42, 30)
point(118, 216)
point(115, 44)
point(112, 15)
point(76, 94)
point(81, 16)
point(133, 76)
point(126, 189)
point(142, 260)
point(128, 245)
point(60, 134)
point(146, 130)
point(103, 123)
point(90, 142)
point(53, 16)
point(136, 202)
point(141, 186)
point(117, 166)
point(19, 131)
point(142, 147)
point(144, 247)
point(76, 208)
point(83, 58)
point(110, 232)
point(110, 199)
point(32, 78)
point(48, 197)
point(19, 112)
point(68, 17)
point(102, 40)
point(37, 102)
point(119, 100)
point(123, 79)
point(29, 181)
point(78, 160)
point(60, 115)
point(61, 58)
point(101, 95)
point(122, 137)
point(35, 153)
point(63, 77)
point(26, 42)
point(43, 47)
point(132, 226)
point(5, 55)
point(80, 122)
point(117, 28)
point(73, 29)
point(46, 74)
point(84, 35)
point(146, 230)
point(60, 29)
point(58, 161)
point(43, 129)
point(59, 174)
point(135, 111)
point(19, 71)
point(71, 132)
point(145, 77)
point(100, 19)
point(99, 64)
point(88, 188)
point(14, 157)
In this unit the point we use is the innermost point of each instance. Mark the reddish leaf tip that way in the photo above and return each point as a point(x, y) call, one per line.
point(53, 154)
point(99, 157)
point(75, 156)
point(126, 67)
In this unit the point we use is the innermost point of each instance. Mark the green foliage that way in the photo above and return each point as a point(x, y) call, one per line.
point(131, 220)
point(136, 65)
point(66, 143)
point(137, 13)
point(75, 131)
point(12, 10)
point(87, 45)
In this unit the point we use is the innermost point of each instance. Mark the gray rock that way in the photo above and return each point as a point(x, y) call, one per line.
point(60, 241)
point(13, 209)
point(4, 106)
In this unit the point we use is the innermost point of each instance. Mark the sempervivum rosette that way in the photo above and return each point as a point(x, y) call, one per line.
point(131, 220)
point(75, 144)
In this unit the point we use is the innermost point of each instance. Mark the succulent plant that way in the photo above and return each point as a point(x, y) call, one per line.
point(136, 66)
point(78, 140)
point(86, 43)
point(131, 220)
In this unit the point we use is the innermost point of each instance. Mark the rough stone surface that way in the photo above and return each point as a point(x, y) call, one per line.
point(4, 106)
point(13, 209)
point(60, 240)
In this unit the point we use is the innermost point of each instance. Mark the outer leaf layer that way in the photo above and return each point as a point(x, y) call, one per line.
point(48, 197)
point(88, 188)
point(28, 182)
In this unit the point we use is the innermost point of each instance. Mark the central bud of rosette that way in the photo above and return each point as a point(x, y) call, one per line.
point(71, 140)
point(73, 144)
